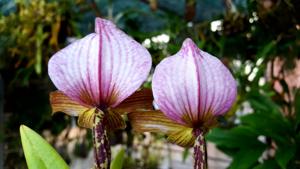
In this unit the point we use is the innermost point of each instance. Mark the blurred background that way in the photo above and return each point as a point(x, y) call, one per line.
point(258, 40)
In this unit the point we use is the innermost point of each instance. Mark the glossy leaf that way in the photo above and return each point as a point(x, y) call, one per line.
point(38, 153)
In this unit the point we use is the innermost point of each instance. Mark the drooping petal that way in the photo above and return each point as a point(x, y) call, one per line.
point(62, 103)
point(101, 69)
point(156, 121)
point(139, 100)
point(114, 121)
point(192, 86)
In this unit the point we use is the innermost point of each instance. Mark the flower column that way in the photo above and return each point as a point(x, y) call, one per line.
point(101, 143)
point(200, 150)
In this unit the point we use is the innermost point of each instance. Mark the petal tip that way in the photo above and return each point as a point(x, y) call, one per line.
point(189, 46)
point(188, 41)
point(102, 23)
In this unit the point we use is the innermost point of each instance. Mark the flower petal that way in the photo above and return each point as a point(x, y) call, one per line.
point(101, 69)
point(192, 86)
point(183, 137)
point(86, 118)
point(62, 103)
point(112, 120)
point(156, 121)
point(140, 100)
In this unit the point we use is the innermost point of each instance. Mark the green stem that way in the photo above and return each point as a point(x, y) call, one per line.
point(102, 152)
point(200, 151)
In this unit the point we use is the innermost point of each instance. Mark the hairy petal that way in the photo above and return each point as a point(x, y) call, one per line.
point(193, 85)
point(62, 103)
point(156, 121)
point(101, 69)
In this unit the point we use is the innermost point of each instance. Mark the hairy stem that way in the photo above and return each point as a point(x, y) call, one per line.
point(200, 151)
point(102, 153)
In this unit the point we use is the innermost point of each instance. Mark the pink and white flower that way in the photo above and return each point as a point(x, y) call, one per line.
point(94, 76)
point(191, 88)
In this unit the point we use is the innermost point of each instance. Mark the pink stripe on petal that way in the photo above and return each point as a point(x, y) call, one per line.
point(125, 64)
point(175, 87)
point(101, 69)
point(74, 68)
point(192, 85)
point(221, 89)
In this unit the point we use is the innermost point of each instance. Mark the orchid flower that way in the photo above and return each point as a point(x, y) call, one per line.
point(191, 88)
point(95, 77)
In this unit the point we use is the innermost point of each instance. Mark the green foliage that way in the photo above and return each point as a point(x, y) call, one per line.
point(39, 154)
point(185, 154)
point(268, 164)
point(117, 162)
point(246, 158)
point(268, 136)
point(30, 34)
point(297, 106)
point(242, 142)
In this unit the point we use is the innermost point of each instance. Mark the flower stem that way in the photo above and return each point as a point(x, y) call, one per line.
point(200, 151)
point(102, 153)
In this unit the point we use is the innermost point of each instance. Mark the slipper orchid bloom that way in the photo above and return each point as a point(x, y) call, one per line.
point(191, 88)
point(96, 78)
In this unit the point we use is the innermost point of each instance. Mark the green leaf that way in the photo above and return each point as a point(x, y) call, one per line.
point(273, 125)
point(297, 106)
point(40, 37)
point(246, 158)
point(262, 103)
point(266, 49)
point(38, 153)
point(267, 119)
point(118, 161)
point(234, 138)
point(267, 165)
point(284, 154)
point(185, 154)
